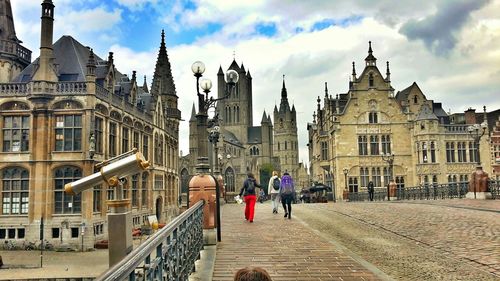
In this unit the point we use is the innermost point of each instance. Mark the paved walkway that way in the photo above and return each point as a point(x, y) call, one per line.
point(287, 249)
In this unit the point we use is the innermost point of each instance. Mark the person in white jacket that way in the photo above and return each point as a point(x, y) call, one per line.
point(273, 188)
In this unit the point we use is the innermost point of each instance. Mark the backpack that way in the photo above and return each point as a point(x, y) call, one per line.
point(287, 188)
point(276, 183)
point(250, 187)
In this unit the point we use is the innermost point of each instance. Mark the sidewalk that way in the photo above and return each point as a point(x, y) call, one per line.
point(287, 249)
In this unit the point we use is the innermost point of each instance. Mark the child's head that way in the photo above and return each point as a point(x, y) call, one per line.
point(252, 274)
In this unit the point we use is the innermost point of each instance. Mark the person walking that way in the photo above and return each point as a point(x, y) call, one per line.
point(273, 188)
point(287, 193)
point(371, 190)
point(250, 196)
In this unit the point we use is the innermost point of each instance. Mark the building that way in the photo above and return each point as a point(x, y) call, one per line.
point(244, 147)
point(67, 111)
point(351, 130)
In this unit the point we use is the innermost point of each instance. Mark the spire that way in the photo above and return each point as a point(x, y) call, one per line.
point(283, 89)
point(284, 105)
point(370, 59)
point(353, 72)
point(220, 72)
point(326, 90)
point(314, 116)
point(163, 82)
point(193, 114)
point(145, 85)
point(7, 23)
point(264, 117)
point(388, 73)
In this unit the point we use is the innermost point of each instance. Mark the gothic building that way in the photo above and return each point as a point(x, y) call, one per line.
point(61, 115)
point(351, 131)
point(245, 147)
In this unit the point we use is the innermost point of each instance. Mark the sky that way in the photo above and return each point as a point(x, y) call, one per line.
point(450, 48)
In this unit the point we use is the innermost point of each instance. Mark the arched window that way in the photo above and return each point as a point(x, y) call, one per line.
point(372, 118)
point(415, 99)
point(229, 179)
point(15, 191)
point(370, 80)
point(63, 202)
point(185, 180)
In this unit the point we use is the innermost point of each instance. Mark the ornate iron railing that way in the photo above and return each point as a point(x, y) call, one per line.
point(168, 255)
point(427, 192)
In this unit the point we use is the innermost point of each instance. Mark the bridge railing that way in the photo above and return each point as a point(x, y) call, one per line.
point(170, 254)
point(427, 192)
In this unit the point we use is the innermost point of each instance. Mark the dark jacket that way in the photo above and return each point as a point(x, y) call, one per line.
point(244, 191)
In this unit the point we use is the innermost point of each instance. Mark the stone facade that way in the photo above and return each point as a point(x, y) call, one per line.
point(351, 131)
point(66, 112)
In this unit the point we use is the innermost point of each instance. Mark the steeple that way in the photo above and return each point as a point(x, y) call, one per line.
point(163, 86)
point(353, 72)
point(7, 22)
point(326, 90)
point(283, 89)
point(370, 59)
point(145, 85)
point(264, 117)
point(284, 105)
point(193, 114)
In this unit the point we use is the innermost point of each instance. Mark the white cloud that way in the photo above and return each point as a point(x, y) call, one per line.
point(135, 4)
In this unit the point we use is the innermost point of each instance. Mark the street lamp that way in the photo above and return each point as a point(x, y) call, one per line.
point(346, 171)
point(476, 131)
point(389, 158)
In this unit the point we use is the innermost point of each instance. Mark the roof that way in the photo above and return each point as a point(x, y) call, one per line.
point(426, 113)
point(254, 135)
point(230, 137)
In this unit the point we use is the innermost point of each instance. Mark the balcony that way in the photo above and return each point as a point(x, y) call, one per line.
point(16, 49)
point(173, 113)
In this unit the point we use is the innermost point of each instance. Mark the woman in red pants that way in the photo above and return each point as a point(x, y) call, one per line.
point(248, 190)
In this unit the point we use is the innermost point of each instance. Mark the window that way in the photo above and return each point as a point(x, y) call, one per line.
point(99, 133)
point(386, 144)
point(376, 177)
point(324, 150)
point(278, 146)
point(473, 155)
point(400, 183)
point(286, 145)
point(387, 177)
point(353, 184)
point(74, 232)
point(415, 99)
point(68, 133)
point(450, 152)
point(144, 190)
point(136, 140)
point(374, 145)
point(372, 118)
point(125, 139)
point(433, 152)
point(135, 189)
point(462, 152)
point(15, 191)
point(363, 145)
point(145, 146)
point(370, 80)
point(63, 202)
point(364, 176)
point(229, 180)
point(112, 139)
point(97, 198)
point(158, 182)
point(16, 133)
point(424, 153)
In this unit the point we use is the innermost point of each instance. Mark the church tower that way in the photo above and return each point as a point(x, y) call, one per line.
point(285, 135)
point(236, 110)
point(13, 57)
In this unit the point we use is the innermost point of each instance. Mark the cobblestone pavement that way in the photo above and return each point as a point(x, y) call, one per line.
point(416, 240)
point(287, 249)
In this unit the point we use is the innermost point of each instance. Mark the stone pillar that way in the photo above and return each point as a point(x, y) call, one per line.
point(478, 185)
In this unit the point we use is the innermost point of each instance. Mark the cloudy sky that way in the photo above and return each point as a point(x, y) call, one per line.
point(451, 48)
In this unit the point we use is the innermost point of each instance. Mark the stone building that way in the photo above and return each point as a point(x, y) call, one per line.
point(244, 147)
point(351, 130)
point(67, 111)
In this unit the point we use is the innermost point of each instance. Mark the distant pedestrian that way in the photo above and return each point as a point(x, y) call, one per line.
point(273, 188)
point(252, 274)
point(371, 190)
point(287, 194)
point(248, 190)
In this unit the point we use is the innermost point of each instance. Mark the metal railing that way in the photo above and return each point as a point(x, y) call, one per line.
point(427, 192)
point(168, 255)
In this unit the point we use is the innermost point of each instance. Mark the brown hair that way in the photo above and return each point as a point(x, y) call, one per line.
point(252, 274)
point(250, 175)
point(275, 173)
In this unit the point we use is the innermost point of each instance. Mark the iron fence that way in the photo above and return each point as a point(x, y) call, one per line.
point(426, 192)
point(169, 255)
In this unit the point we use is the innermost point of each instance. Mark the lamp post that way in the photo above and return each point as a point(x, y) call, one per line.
point(346, 171)
point(204, 104)
point(476, 131)
point(389, 158)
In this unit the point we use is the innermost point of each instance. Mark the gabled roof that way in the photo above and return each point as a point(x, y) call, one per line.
point(231, 138)
point(426, 113)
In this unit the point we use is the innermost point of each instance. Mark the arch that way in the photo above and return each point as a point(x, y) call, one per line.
point(14, 105)
point(229, 179)
point(14, 191)
point(67, 104)
point(127, 120)
point(370, 80)
point(138, 125)
point(116, 115)
point(185, 178)
point(159, 207)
